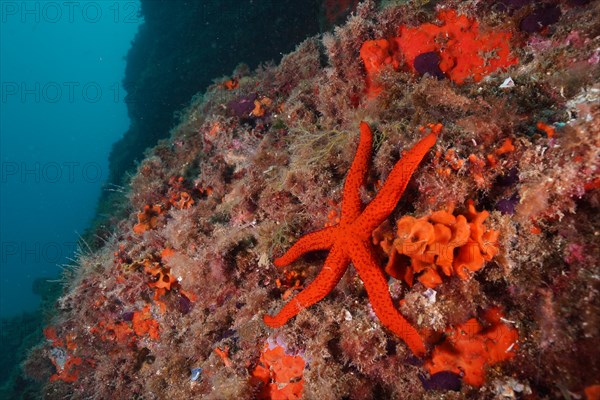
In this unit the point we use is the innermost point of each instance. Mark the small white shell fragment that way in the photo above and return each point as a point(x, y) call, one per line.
point(508, 83)
point(430, 294)
point(347, 315)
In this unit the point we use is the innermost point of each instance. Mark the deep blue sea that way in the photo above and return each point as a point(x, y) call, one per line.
point(62, 108)
point(87, 86)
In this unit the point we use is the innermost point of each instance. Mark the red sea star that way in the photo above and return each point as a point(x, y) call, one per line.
point(350, 240)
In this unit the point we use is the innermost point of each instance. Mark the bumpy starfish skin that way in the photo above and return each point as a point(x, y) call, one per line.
point(350, 241)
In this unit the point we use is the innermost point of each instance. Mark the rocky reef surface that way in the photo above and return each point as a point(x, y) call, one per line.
point(183, 45)
point(490, 254)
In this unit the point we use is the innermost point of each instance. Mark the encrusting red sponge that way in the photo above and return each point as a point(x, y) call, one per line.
point(462, 50)
point(469, 348)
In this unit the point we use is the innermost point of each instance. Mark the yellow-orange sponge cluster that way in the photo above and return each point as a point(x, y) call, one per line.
point(439, 243)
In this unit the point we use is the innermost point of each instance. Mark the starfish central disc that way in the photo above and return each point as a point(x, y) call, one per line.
point(350, 240)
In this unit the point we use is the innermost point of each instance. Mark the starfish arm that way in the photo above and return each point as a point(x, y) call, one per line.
point(351, 204)
point(333, 270)
point(318, 240)
point(379, 295)
point(384, 203)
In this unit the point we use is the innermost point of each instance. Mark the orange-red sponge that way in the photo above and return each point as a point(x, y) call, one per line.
point(281, 374)
point(469, 348)
point(147, 219)
point(144, 324)
point(463, 49)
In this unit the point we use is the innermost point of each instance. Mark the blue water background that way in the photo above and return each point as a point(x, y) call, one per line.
point(61, 109)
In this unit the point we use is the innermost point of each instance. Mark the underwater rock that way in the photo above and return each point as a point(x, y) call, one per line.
point(444, 380)
point(184, 287)
point(540, 18)
point(429, 63)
